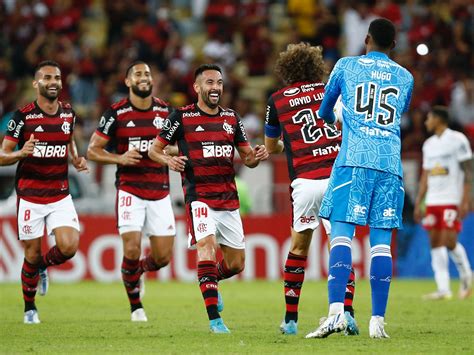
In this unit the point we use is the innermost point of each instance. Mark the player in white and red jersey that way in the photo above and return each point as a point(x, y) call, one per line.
point(143, 201)
point(206, 135)
point(43, 132)
point(311, 146)
point(445, 185)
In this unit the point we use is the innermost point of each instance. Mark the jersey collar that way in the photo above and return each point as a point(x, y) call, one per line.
point(375, 54)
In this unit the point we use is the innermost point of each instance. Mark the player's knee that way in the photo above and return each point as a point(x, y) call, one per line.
point(33, 257)
point(300, 246)
point(68, 250)
point(162, 260)
point(237, 265)
point(132, 252)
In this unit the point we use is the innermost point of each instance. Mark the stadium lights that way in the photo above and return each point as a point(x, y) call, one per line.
point(422, 49)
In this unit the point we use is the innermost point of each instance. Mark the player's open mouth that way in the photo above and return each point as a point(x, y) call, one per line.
point(214, 96)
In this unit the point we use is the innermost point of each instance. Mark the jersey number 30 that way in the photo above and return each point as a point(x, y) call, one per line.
point(310, 131)
point(365, 103)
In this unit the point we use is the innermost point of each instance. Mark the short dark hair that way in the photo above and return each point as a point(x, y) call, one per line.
point(129, 68)
point(441, 112)
point(383, 32)
point(203, 67)
point(46, 63)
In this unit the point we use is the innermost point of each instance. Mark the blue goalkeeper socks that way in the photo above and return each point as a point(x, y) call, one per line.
point(340, 263)
point(380, 277)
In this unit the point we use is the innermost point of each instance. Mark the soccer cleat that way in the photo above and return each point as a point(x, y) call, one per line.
point(290, 328)
point(139, 315)
point(465, 287)
point(352, 328)
point(220, 302)
point(43, 281)
point(141, 286)
point(437, 295)
point(217, 326)
point(31, 317)
point(376, 328)
point(333, 324)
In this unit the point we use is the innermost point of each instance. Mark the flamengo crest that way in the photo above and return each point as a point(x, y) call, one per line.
point(228, 128)
point(66, 127)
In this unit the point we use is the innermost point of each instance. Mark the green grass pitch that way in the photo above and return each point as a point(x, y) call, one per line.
point(91, 317)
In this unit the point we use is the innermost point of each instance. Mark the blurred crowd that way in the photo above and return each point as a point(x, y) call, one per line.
point(95, 40)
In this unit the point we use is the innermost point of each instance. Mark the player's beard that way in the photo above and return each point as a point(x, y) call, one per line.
point(207, 100)
point(142, 93)
point(43, 91)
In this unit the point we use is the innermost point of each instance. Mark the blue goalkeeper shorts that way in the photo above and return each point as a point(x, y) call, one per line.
point(364, 196)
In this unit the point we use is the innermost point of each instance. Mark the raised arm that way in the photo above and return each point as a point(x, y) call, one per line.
point(9, 156)
point(274, 145)
point(97, 152)
point(158, 154)
point(80, 163)
point(252, 157)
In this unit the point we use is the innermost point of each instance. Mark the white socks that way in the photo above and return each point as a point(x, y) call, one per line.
point(439, 263)
point(458, 254)
point(335, 308)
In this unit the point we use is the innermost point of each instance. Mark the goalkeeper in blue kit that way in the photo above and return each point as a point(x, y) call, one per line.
point(366, 184)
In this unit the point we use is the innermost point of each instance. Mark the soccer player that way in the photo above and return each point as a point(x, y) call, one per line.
point(206, 135)
point(446, 186)
point(311, 146)
point(366, 184)
point(143, 201)
point(43, 132)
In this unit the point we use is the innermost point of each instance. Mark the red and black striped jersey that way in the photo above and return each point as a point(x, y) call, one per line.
point(311, 145)
point(128, 127)
point(208, 142)
point(43, 176)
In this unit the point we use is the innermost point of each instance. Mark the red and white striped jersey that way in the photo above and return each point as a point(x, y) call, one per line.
point(43, 176)
point(208, 142)
point(311, 145)
point(128, 127)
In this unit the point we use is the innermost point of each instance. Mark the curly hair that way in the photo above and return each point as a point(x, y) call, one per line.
point(300, 62)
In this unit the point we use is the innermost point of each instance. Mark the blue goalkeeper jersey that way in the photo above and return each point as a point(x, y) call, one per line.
point(375, 92)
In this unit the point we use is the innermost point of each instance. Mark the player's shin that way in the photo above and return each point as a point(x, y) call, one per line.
point(29, 283)
point(293, 281)
point(350, 293)
point(131, 278)
point(340, 264)
point(148, 264)
point(223, 271)
point(439, 263)
point(54, 256)
point(380, 277)
point(207, 276)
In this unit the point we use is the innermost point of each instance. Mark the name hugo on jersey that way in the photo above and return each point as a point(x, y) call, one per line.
point(142, 145)
point(210, 150)
point(45, 150)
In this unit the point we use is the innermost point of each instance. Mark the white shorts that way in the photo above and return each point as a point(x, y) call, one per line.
point(151, 217)
point(307, 196)
point(33, 216)
point(225, 225)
